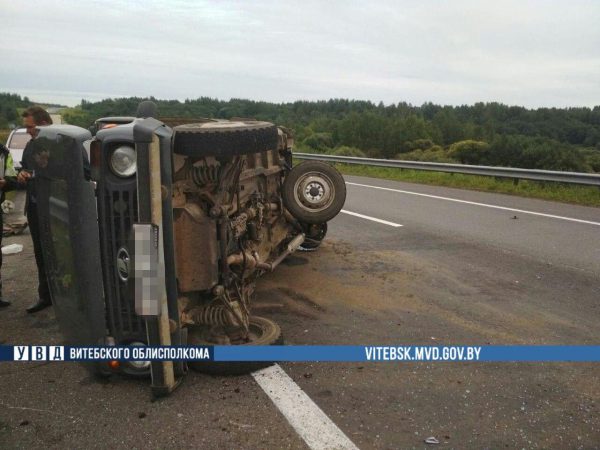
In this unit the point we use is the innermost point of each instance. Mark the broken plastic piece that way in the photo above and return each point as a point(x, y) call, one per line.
point(12, 249)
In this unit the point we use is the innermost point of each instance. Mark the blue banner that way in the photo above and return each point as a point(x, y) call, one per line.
point(307, 353)
point(106, 353)
point(408, 353)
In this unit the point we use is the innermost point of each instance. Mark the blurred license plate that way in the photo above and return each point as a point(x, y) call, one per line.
point(147, 270)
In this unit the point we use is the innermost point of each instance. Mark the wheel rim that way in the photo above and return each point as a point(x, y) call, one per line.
point(204, 335)
point(314, 191)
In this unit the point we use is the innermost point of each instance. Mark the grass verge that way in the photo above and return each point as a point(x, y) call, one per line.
point(560, 192)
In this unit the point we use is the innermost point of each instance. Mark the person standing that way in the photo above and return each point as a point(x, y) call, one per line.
point(8, 182)
point(33, 117)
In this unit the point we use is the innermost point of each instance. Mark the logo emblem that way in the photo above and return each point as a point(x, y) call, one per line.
point(123, 264)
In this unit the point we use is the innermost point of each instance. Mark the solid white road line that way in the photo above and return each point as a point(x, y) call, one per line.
point(309, 421)
point(374, 219)
point(552, 216)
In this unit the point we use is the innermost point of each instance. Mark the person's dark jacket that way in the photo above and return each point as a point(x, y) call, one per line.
point(28, 164)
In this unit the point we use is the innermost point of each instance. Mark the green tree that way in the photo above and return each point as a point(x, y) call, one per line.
point(77, 116)
point(450, 127)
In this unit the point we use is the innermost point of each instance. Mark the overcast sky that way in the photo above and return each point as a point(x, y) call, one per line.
point(531, 53)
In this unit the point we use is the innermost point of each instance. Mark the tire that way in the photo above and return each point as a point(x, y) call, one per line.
point(314, 192)
point(267, 332)
point(314, 236)
point(224, 139)
point(129, 369)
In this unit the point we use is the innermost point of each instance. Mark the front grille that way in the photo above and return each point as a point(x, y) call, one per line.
point(118, 211)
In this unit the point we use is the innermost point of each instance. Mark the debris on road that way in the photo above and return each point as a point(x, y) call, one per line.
point(431, 440)
point(13, 229)
point(12, 249)
point(7, 206)
point(240, 425)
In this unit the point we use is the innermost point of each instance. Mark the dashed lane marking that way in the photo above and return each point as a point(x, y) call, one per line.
point(309, 421)
point(374, 219)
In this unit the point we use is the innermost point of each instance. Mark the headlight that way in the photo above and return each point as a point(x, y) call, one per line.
point(123, 161)
point(139, 365)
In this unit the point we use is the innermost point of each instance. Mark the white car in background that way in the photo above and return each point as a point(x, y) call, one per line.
point(16, 142)
point(14, 205)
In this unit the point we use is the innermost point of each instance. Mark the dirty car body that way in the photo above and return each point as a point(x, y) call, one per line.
point(223, 205)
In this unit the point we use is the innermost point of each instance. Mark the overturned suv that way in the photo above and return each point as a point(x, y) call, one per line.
point(161, 240)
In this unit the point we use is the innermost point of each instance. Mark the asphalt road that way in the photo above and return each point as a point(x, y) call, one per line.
point(455, 272)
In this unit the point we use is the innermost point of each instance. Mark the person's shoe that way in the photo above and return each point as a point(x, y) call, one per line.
point(3, 303)
point(39, 305)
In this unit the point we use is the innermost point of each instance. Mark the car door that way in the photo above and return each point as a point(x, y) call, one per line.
point(66, 206)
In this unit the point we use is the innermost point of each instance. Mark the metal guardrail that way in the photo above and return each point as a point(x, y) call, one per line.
point(589, 179)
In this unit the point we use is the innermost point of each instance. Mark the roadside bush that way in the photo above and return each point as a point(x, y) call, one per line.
point(552, 155)
point(319, 141)
point(77, 116)
point(535, 153)
point(348, 151)
point(469, 152)
point(301, 148)
point(592, 159)
point(420, 144)
point(432, 154)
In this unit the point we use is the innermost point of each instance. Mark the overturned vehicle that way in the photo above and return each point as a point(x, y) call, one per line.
point(161, 238)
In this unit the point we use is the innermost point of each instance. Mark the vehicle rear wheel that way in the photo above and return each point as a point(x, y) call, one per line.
point(314, 192)
point(262, 332)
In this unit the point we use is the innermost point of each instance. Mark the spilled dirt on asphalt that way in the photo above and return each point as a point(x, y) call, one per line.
point(486, 308)
point(370, 296)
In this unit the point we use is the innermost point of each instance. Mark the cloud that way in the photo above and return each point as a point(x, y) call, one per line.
point(531, 53)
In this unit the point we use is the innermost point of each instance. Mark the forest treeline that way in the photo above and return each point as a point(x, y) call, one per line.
point(11, 106)
point(483, 133)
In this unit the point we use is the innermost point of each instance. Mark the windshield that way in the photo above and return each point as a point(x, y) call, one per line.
point(18, 141)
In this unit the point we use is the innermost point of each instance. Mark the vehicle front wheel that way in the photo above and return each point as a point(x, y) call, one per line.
point(314, 236)
point(262, 332)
